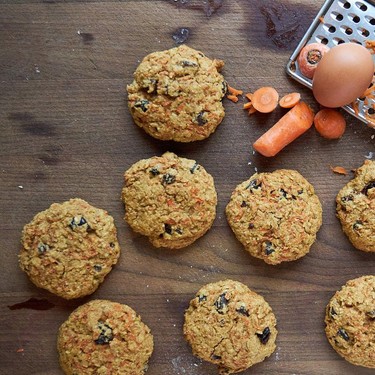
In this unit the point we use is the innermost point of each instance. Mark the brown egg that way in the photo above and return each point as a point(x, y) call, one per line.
point(343, 75)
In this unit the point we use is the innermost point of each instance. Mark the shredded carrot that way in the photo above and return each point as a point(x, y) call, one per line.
point(321, 19)
point(330, 123)
point(369, 91)
point(247, 105)
point(233, 98)
point(293, 124)
point(339, 170)
point(265, 99)
point(252, 110)
point(370, 44)
point(234, 91)
point(249, 95)
point(290, 100)
point(20, 350)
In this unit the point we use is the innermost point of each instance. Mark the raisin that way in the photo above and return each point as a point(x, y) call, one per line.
point(179, 230)
point(42, 248)
point(347, 198)
point(194, 168)
point(221, 302)
point(332, 312)
point(243, 204)
point(254, 184)
point(357, 225)
point(78, 221)
point(105, 335)
point(112, 245)
point(200, 119)
point(154, 171)
point(264, 336)
point(97, 267)
point(187, 63)
point(371, 314)
point(142, 104)
point(224, 87)
point(370, 185)
point(169, 179)
point(341, 332)
point(242, 310)
point(202, 298)
point(215, 357)
point(300, 191)
point(251, 226)
point(269, 248)
point(283, 192)
point(168, 228)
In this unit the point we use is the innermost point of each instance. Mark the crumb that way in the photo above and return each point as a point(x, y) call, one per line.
point(20, 186)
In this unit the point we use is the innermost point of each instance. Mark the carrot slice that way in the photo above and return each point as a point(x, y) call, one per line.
point(330, 123)
point(293, 124)
point(234, 91)
point(290, 100)
point(248, 105)
point(252, 110)
point(265, 99)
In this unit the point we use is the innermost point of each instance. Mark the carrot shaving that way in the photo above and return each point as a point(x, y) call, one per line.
point(339, 170)
point(248, 105)
point(233, 98)
point(290, 100)
point(249, 95)
point(265, 99)
point(234, 91)
point(252, 110)
point(370, 44)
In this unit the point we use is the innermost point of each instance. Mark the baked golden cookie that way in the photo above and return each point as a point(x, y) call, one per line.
point(104, 337)
point(177, 94)
point(69, 248)
point(350, 321)
point(275, 215)
point(230, 325)
point(356, 208)
point(170, 200)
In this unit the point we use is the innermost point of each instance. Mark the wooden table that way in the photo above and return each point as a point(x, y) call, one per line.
point(66, 132)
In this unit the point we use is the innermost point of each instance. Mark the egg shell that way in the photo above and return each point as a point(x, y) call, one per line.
point(343, 75)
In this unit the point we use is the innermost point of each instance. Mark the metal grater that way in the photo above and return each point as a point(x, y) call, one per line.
point(341, 21)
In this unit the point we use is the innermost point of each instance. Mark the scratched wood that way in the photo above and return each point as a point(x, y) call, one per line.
point(66, 132)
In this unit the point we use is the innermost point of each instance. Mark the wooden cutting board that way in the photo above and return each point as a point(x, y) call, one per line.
point(66, 132)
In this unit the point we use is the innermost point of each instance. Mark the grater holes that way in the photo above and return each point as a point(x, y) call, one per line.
point(347, 30)
point(329, 28)
point(364, 32)
point(370, 20)
point(361, 6)
point(337, 41)
point(344, 4)
point(354, 18)
point(355, 41)
point(371, 111)
point(321, 39)
point(337, 16)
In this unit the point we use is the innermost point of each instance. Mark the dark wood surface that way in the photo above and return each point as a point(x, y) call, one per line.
point(66, 132)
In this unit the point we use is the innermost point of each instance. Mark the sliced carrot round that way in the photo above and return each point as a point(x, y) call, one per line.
point(330, 123)
point(265, 99)
point(290, 100)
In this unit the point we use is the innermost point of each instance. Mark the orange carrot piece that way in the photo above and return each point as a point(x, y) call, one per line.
point(339, 170)
point(252, 110)
point(248, 105)
point(293, 124)
point(290, 100)
point(234, 91)
point(233, 98)
point(265, 99)
point(330, 123)
point(249, 95)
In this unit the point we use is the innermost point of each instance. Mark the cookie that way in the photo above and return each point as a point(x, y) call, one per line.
point(104, 337)
point(170, 200)
point(350, 321)
point(69, 248)
point(275, 215)
point(355, 207)
point(177, 95)
point(230, 325)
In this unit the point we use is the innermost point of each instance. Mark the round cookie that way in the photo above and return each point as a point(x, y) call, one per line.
point(275, 215)
point(104, 337)
point(356, 208)
point(177, 94)
point(350, 321)
point(69, 248)
point(170, 200)
point(230, 325)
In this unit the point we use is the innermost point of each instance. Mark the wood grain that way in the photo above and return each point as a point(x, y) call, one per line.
point(66, 132)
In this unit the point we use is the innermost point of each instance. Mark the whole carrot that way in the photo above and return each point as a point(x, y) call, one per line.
point(294, 123)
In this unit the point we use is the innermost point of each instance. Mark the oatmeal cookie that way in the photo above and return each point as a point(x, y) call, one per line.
point(350, 321)
point(104, 337)
point(69, 248)
point(230, 325)
point(170, 200)
point(177, 94)
point(356, 208)
point(275, 215)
